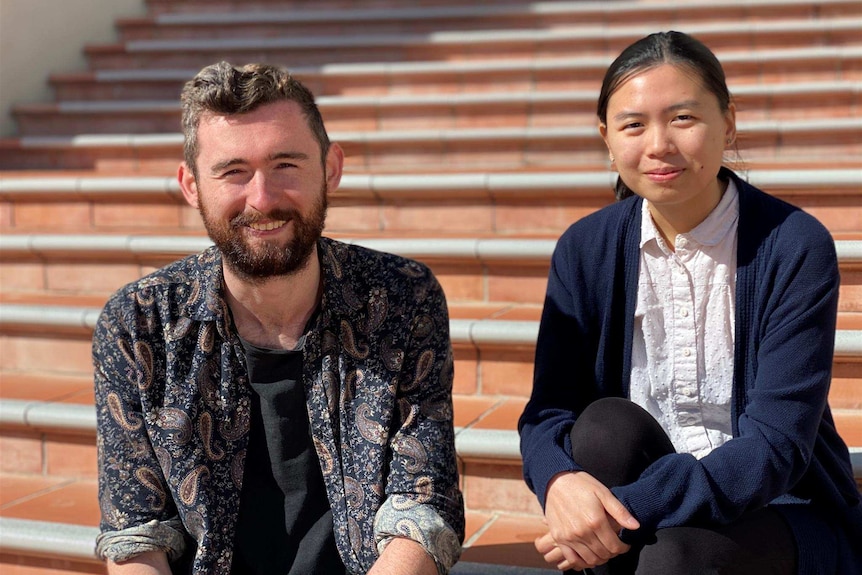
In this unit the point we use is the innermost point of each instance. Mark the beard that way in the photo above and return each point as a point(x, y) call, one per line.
point(258, 263)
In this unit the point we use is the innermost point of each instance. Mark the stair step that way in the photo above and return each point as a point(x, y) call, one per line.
point(759, 7)
point(474, 149)
point(487, 448)
point(497, 44)
point(408, 112)
point(472, 270)
point(492, 356)
point(492, 539)
point(493, 204)
point(274, 21)
point(768, 67)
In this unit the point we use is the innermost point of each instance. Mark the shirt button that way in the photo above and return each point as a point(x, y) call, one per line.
point(686, 352)
point(684, 312)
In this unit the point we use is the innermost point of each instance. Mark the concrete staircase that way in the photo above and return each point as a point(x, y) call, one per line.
point(471, 142)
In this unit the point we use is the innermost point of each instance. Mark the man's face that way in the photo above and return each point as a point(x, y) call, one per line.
point(261, 188)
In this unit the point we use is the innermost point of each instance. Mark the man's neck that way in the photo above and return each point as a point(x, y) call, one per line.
point(274, 313)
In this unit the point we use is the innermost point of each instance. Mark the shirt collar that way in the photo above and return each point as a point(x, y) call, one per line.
point(721, 220)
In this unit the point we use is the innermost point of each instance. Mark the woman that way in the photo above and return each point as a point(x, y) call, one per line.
point(679, 421)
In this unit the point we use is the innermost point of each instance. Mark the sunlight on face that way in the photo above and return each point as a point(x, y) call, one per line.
point(667, 134)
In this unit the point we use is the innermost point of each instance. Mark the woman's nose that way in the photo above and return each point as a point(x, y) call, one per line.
point(659, 142)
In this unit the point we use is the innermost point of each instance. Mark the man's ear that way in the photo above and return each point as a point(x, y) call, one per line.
point(334, 166)
point(188, 184)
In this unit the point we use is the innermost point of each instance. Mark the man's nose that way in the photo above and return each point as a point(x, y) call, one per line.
point(262, 195)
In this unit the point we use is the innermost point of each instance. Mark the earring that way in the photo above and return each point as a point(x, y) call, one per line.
point(612, 159)
point(729, 141)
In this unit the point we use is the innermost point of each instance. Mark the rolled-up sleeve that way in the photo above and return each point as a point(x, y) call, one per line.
point(137, 513)
point(156, 535)
point(423, 501)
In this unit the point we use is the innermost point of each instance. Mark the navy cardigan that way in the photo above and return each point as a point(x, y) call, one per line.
point(785, 449)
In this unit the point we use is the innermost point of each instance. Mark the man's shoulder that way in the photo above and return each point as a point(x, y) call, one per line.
point(177, 277)
point(352, 261)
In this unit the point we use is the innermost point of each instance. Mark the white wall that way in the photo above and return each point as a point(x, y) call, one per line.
point(38, 37)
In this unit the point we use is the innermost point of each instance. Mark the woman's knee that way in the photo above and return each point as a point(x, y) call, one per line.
point(614, 440)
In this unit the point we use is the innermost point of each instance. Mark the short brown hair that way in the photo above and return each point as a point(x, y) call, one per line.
point(224, 89)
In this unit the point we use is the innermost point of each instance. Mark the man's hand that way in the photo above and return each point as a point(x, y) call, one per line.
point(404, 556)
point(152, 563)
point(584, 518)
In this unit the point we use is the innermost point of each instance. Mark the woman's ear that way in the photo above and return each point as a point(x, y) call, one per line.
point(603, 130)
point(730, 121)
point(188, 184)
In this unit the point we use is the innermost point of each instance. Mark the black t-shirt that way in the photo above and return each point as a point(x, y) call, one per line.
point(285, 522)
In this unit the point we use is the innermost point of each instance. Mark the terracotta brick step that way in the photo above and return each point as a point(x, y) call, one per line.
point(498, 44)
point(34, 506)
point(477, 270)
point(408, 112)
point(474, 270)
point(486, 439)
point(57, 441)
point(273, 19)
point(494, 348)
point(239, 6)
point(55, 438)
point(614, 10)
point(493, 355)
point(470, 149)
point(769, 67)
point(492, 204)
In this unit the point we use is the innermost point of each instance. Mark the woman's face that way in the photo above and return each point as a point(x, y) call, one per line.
point(666, 134)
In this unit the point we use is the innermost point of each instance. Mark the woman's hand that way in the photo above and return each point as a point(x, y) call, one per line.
point(583, 519)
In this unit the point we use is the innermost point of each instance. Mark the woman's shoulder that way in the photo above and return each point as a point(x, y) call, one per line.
point(764, 214)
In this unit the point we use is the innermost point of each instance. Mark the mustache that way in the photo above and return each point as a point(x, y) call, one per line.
point(246, 218)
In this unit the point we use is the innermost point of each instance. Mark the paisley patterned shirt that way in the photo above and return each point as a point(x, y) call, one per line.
point(172, 402)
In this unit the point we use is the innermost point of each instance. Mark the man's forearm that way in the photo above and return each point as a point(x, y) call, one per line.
point(152, 563)
point(404, 556)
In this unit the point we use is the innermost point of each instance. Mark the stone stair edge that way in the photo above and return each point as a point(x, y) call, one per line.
point(470, 443)
point(497, 444)
point(379, 184)
point(365, 69)
point(476, 332)
point(582, 33)
point(470, 66)
point(77, 542)
point(331, 102)
point(480, 250)
point(746, 129)
point(456, 10)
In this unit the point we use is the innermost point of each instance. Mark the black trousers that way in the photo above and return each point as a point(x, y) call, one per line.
point(615, 440)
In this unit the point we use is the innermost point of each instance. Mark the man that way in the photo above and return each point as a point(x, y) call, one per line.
point(281, 402)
